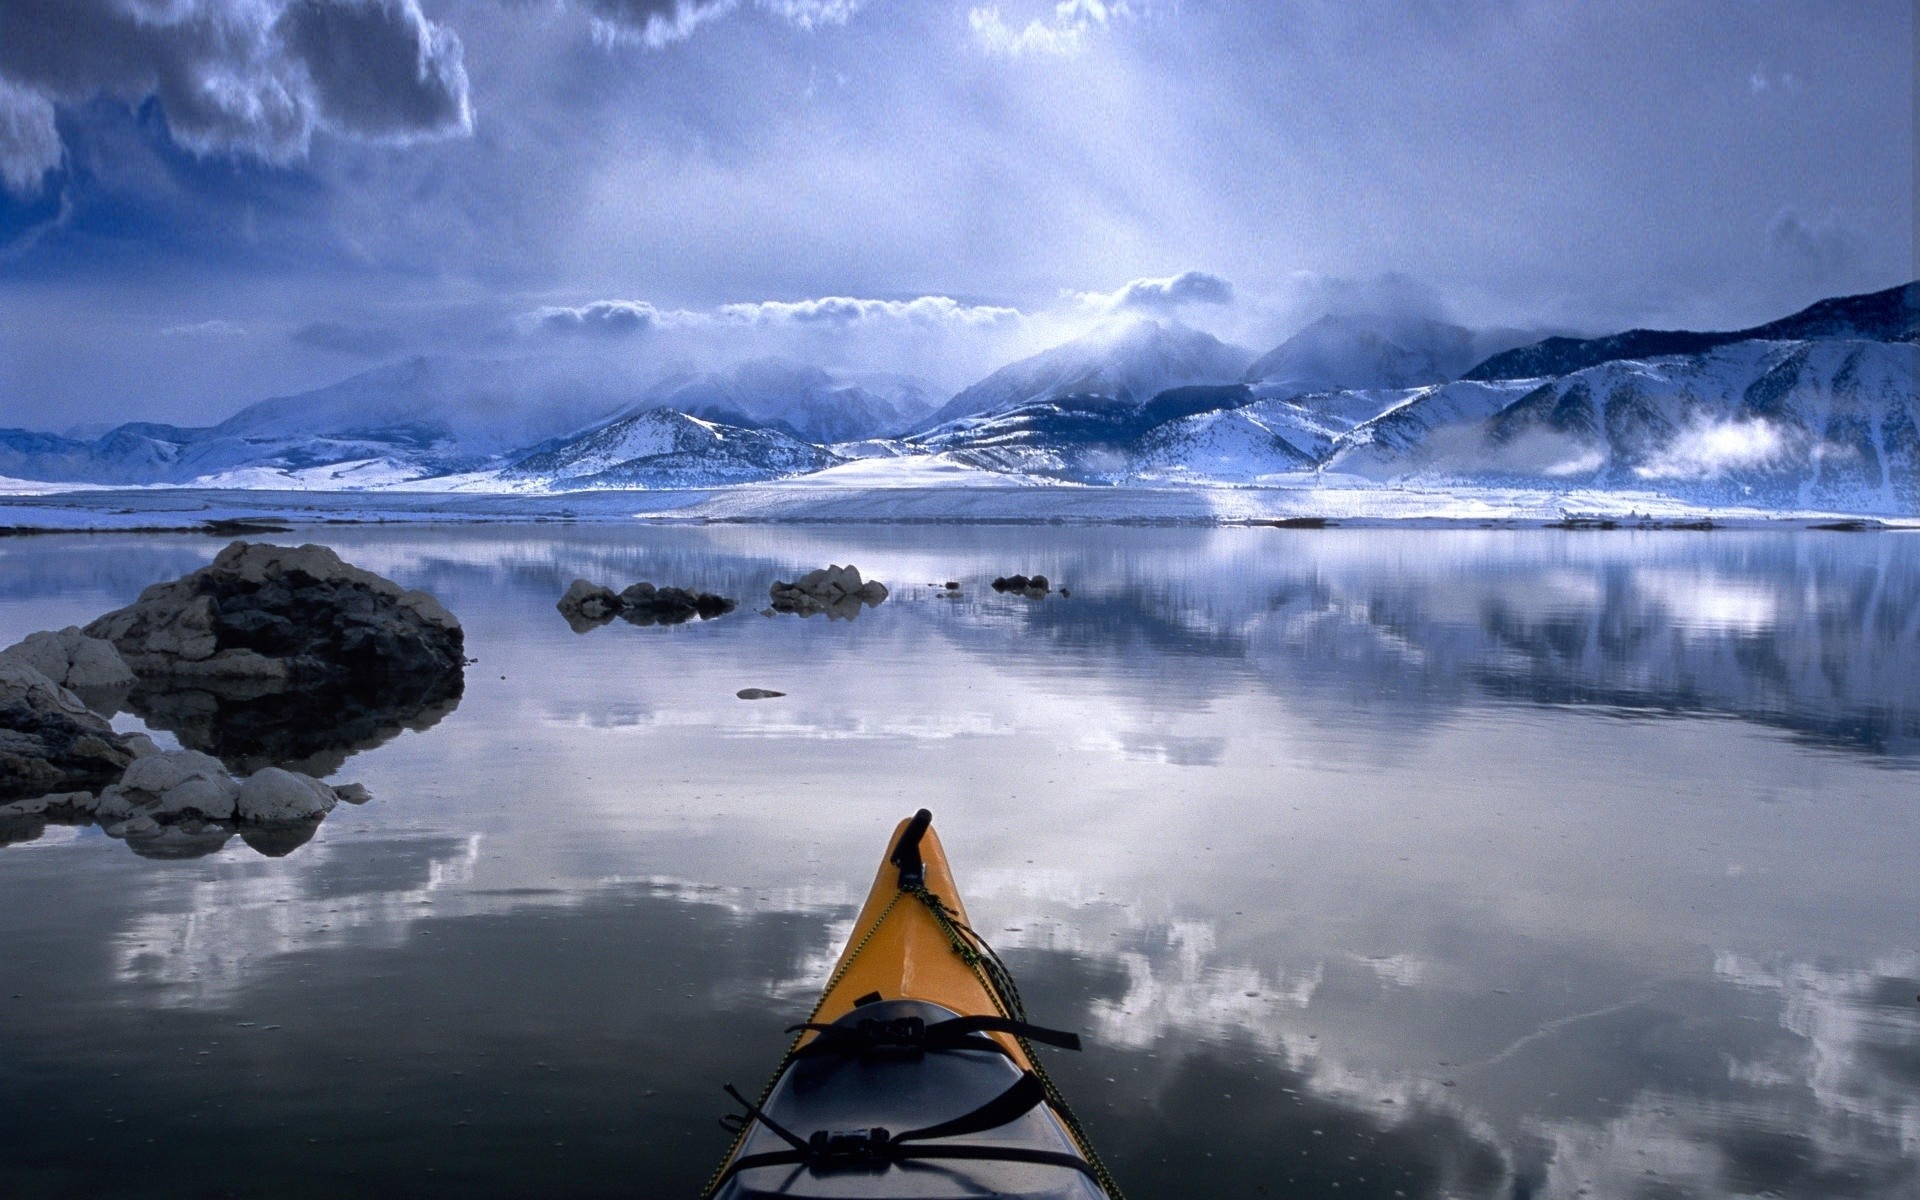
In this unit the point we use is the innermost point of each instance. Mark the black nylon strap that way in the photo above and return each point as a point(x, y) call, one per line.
point(1025, 1093)
point(1020, 1154)
point(953, 1034)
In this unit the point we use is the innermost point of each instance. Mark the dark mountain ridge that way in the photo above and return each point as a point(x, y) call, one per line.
point(1892, 315)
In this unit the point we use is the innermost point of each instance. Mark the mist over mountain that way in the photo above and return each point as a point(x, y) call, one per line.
point(1340, 352)
point(802, 400)
point(1815, 410)
point(1125, 362)
point(661, 448)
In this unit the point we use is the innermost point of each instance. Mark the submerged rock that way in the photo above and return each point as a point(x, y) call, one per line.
point(837, 591)
point(758, 694)
point(49, 741)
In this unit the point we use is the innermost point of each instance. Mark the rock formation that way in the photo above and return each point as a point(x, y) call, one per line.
point(271, 656)
point(1034, 587)
point(587, 605)
point(280, 615)
point(49, 741)
point(837, 591)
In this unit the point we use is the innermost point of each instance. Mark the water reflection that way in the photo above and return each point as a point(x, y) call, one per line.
point(312, 730)
point(1422, 863)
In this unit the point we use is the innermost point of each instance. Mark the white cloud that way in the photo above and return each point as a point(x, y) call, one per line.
point(601, 318)
point(1062, 35)
point(216, 328)
point(659, 23)
point(848, 310)
point(1710, 451)
point(631, 316)
point(1160, 295)
point(29, 142)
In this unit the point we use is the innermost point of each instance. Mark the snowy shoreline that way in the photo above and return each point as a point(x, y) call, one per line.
point(33, 509)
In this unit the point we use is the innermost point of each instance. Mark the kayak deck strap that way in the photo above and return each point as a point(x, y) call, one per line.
point(861, 1149)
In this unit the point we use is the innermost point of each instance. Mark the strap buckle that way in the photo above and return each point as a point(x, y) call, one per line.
point(895, 1033)
point(830, 1147)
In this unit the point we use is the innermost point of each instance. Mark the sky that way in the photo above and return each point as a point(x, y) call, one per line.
point(208, 202)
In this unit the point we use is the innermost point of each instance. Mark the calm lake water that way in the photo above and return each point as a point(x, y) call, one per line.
point(1371, 862)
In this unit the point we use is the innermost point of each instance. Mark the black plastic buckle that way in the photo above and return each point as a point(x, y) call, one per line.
point(835, 1146)
point(894, 1033)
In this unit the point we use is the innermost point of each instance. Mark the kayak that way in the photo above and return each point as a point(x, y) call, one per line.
point(915, 1075)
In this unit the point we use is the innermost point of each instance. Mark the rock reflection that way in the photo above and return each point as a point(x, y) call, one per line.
point(313, 730)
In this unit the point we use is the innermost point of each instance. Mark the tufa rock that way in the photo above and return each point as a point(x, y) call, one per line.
point(1034, 587)
point(173, 784)
point(49, 741)
point(587, 605)
point(289, 617)
point(276, 796)
point(73, 660)
point(837, 591)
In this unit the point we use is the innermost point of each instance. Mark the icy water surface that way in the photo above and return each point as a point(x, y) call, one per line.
point(1373, 863)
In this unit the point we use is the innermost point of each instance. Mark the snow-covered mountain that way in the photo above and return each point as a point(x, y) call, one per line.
point(660, 448)
point(1824, 423)
point(425, 416)
point(1374, 351)
point(1892, 315)
point(1817, 413)
point(798, 399)
point(1124, 362)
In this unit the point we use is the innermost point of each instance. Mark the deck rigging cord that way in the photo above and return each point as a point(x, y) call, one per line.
point(1033, 1088)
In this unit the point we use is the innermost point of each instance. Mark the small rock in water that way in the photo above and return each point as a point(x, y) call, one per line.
point(758, 694)
point(837, 591)
point(1034, 587)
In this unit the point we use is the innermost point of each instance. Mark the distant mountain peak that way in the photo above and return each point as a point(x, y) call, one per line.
point(1889, 315)
point(1129, 360)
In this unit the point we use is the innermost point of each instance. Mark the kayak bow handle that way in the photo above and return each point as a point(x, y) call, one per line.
point(906, 852)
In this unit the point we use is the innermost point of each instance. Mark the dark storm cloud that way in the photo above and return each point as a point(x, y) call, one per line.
point(1530, 162)
point(254, 77)
point(379, 69)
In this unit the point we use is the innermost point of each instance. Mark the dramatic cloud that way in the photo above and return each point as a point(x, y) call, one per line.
point(657, 23)
point(29, 142)
point(254, 77)
point(379, 69)
point(1161, 295)
point(1581, 168)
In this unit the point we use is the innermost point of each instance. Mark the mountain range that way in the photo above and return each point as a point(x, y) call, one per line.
point(1815, 409)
